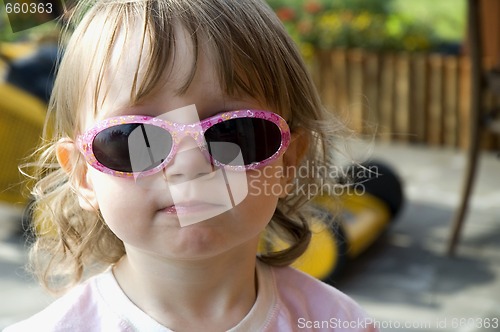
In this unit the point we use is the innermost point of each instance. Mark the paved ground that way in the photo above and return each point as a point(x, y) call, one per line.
point(405, 281)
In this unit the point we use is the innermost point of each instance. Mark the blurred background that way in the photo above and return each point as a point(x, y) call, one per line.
point(400, 73)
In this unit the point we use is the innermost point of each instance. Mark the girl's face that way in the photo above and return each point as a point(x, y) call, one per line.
point(182, 212)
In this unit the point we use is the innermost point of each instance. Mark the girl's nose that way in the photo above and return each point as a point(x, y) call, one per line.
point(188, 163)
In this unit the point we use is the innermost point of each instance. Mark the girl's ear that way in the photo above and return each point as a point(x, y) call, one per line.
point(299, 144)
point(65, 153)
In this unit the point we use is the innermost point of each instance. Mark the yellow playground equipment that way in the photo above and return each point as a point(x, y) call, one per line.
point(347, 225)
point(21, 121)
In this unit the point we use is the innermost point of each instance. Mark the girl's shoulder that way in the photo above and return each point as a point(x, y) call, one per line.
point(310, 303)
point(82, 307)
point(294, 285)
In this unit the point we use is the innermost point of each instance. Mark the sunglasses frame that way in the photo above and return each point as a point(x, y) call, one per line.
point(178, 132)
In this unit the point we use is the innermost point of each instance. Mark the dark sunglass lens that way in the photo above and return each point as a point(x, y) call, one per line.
point(132, 147)
point(243, 140)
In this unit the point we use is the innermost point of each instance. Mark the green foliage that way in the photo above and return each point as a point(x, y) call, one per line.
point(5, 30)
point(47, 30)
point(368, 24)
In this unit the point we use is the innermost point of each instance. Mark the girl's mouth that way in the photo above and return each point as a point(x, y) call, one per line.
point(190, 207)
point(192, 212)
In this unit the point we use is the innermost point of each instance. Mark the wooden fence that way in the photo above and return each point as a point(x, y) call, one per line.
point(417, 98)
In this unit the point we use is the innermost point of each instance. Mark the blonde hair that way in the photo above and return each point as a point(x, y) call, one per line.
point(252, 54)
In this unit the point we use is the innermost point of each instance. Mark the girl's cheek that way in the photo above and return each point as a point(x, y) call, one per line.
point(266, 181)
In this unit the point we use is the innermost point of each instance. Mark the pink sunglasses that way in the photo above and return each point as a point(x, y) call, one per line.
point(136, 145)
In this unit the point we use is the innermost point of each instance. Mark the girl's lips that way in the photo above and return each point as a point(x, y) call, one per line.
point(189, 207)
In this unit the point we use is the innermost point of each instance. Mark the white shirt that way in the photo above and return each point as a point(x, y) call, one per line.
point(287, 300)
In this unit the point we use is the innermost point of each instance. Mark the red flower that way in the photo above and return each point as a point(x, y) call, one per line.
point(285, 14)
point(312, 7)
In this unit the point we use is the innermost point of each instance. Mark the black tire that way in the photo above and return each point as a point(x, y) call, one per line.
point(341, 241)
point(381, 181)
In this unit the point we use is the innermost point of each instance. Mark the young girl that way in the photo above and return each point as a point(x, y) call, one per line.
point(176, 123)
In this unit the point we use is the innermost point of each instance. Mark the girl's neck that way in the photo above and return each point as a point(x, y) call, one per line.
point(191, 295)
